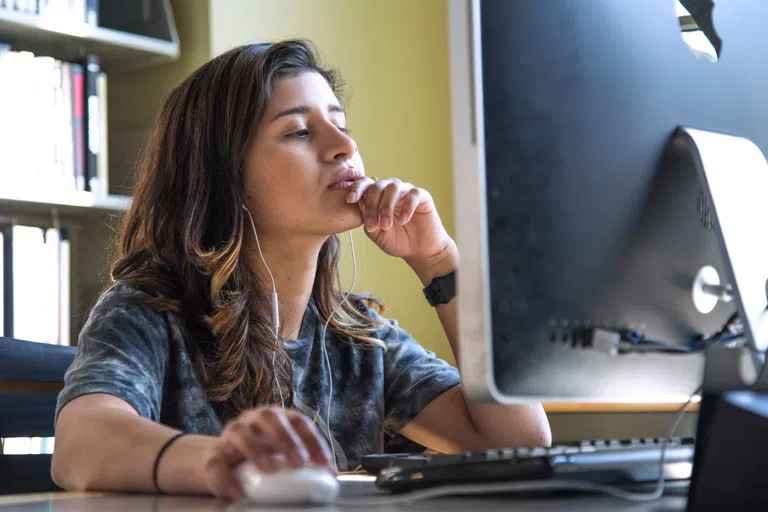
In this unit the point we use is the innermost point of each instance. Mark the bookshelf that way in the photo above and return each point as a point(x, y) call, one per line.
point(67, 39)
point(125, 36)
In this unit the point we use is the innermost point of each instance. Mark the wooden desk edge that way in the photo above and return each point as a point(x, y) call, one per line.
point(19, 499)
point(620, 407)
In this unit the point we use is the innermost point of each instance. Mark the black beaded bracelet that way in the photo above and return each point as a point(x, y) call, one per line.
point(159, 455)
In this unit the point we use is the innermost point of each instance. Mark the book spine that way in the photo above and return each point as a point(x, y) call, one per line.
point(93, 124)
point(58, 131)
point(92, 13)
point(102, 169)
point(8, 281)
point(51, 284)
point(32, 288)
point(68, 151)
point(78, 124)
point(64, 290)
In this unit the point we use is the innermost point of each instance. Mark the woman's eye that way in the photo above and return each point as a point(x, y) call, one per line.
point(345, 130)
point(301, 134)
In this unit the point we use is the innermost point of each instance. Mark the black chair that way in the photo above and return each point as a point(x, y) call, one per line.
point(31, 375)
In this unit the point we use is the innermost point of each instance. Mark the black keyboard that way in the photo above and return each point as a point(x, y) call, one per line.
point(612, 462)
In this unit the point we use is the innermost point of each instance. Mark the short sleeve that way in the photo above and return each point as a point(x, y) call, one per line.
point(122, 351)
point(413, 376)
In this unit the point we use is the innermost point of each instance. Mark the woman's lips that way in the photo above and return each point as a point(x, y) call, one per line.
point(341, 185)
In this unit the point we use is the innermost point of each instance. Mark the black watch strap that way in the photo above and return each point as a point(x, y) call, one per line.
point(441, 290)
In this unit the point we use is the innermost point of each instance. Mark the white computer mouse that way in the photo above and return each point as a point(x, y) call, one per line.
point(294, 486)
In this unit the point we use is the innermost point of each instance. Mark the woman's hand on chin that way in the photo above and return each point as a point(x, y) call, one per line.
point(400, 218)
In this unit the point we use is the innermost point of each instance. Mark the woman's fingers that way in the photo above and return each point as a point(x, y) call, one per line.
point(283, 436)
point(391, 196)
point(409, 204)
point(254, 445)
point(357, 190)
point(316, 446)
point(371, 212)
point(384, 201)
point(380, 202)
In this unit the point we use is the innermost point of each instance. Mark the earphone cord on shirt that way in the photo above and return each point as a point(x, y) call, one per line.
point(275, 313)
point(325, 351)
point(276, 321)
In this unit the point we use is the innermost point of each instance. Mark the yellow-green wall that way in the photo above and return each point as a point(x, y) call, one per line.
point(394, 56)
point(136, 96)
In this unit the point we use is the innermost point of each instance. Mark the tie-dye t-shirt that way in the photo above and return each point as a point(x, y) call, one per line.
point(134, 352)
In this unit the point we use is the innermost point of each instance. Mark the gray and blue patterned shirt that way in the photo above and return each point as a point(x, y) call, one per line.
point(138, 354)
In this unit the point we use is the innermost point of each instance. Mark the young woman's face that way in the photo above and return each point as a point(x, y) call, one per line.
point(301, 162)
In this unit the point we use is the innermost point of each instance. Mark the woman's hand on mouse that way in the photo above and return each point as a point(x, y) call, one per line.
point(399, 217)
point(270, 438)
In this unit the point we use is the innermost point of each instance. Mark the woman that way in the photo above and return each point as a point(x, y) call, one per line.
point(249, 176)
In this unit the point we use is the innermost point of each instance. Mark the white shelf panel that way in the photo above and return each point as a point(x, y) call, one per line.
point(74, 202)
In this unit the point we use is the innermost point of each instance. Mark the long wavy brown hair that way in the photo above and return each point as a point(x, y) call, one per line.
point(183, 241)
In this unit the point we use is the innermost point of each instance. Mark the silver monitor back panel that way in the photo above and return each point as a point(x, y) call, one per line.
point(573, 209)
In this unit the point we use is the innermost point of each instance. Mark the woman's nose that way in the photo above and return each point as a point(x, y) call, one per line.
point(343, 148)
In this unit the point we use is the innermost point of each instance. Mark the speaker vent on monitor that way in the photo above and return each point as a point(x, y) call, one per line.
point(705, 212)
point(576, 338)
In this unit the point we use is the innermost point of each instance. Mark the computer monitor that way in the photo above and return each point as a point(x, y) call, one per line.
point(579, 213)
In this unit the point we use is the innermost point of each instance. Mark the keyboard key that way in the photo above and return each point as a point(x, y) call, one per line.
point(446, 458)
point(475, 456)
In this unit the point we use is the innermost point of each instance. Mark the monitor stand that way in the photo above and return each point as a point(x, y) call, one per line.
point(731, 458)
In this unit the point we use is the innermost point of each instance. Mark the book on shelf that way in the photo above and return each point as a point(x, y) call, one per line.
point(79, 11)
point(27, 445)
point(36, 284)
point(78, 124)
point(93, 123)
point(53, 132)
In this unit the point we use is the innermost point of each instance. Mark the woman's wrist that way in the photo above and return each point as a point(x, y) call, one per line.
point(181, 470)
point(439, 264)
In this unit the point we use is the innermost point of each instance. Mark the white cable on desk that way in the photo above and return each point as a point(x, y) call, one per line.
point(498, 487)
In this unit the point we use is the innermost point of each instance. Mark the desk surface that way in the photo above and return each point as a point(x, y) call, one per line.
point(351, 490)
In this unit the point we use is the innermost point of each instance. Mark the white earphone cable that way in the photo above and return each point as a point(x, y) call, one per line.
point(275, 306)
point(325, 351)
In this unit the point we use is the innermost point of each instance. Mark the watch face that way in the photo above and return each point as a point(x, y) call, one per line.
point(441, 290)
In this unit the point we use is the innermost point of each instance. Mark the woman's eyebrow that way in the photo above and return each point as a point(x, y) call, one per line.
point(304, 109)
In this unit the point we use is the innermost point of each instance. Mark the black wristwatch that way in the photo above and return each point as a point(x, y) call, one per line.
point(441, 290)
